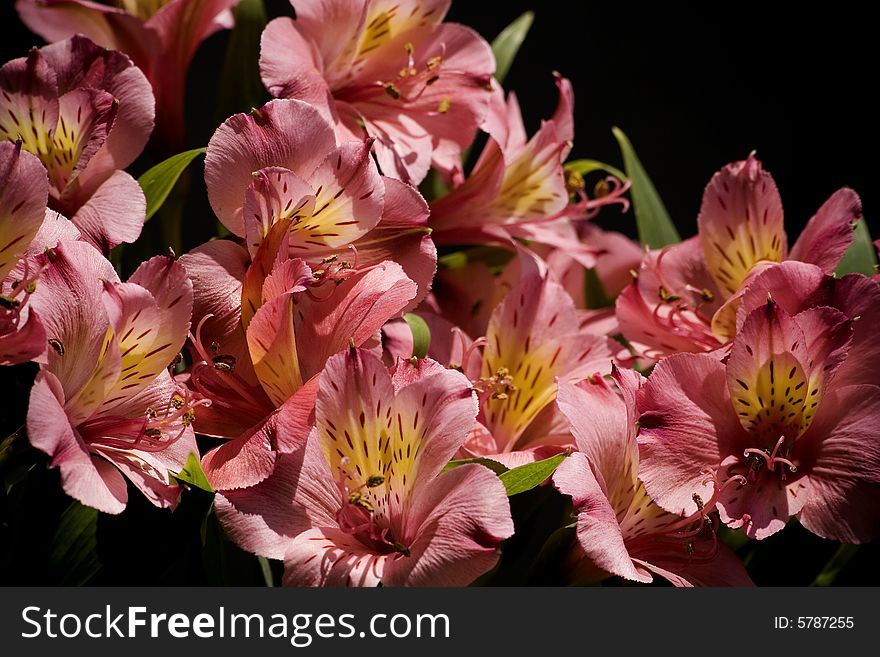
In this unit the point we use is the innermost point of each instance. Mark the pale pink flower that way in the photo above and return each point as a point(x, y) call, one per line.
point(282, 162)
point(23, 193)
point(781, 428)
point(620, 530)
point(104, 404)
point(364, 502)
point(264, 330)
point(392, 71)
point(160, 36)
point(518, 188)
point(686, 295)
point(87, 113)
point(534, 339)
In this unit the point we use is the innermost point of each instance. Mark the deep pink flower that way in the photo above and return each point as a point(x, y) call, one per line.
point(620, 530)
point(23, 193)
point(160, 36)
point(363, 501)
point(391, 71)
point(104, 404)
point(264, 330)
point(282, 162)
point(780, 429)
point(686, 295)
point(86, 113)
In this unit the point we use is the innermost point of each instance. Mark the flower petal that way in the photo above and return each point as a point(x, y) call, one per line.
point(456, 525)
point(844, 480)
point(740, 222)
point(829, 233)
point(89, 479)
point(686, 424)
point(284, 133)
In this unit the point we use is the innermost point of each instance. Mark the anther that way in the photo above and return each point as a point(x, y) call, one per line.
point(55, 343)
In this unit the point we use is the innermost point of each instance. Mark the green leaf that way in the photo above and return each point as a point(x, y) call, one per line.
point(528, 476)
point(158, 182)
point(585, 167)
point(266, 570)
point(861, 256)
point(494, 466)
point(842, 557)
point(73, 560)
point(241, 87)
point(421, 334)
point(654, 224)
point(193, 475)
point(507, 43)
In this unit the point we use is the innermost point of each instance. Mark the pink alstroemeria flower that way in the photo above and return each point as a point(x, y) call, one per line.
point(620, 530)
point(518, 187)
point(364, 502)
point(685, 296)
point(392, 71)
point(160, 36)
point(282, 162)
point(533, 340)
point(264, 330)
point(23, 194)
point(104, 404)
point(780, 429)
point(86, 113)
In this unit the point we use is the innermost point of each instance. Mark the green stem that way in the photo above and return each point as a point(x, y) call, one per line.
point(832, 569)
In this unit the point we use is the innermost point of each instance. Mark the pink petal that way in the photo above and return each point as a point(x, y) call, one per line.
point(740, 222)
point(285, 133)
point(107, 26)
point(686, 425)
point(330, 557)
point(356, 310)
point(68, 301)
point(273, 349)
point(829, 233)
point(22, 337)
point(30, 89)
point(298, 495)
point(401, 235)
point(844, 479)
point(89, 479)
point(113, 214)
point(217, 269)
point(23, 194)
point(290, 64)
point(597, 528)
point(244, 461)
point(601, 425)
point(85, 118)
point(349, 203)
point(762, 507)
point(458, 522)
point(275, 192)
point(858, 296)
point(724, 569)
point(150, 318)
point(535, 335)
point(79, 62)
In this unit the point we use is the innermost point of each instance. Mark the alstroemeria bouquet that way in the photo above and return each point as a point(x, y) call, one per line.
point(403, 359)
